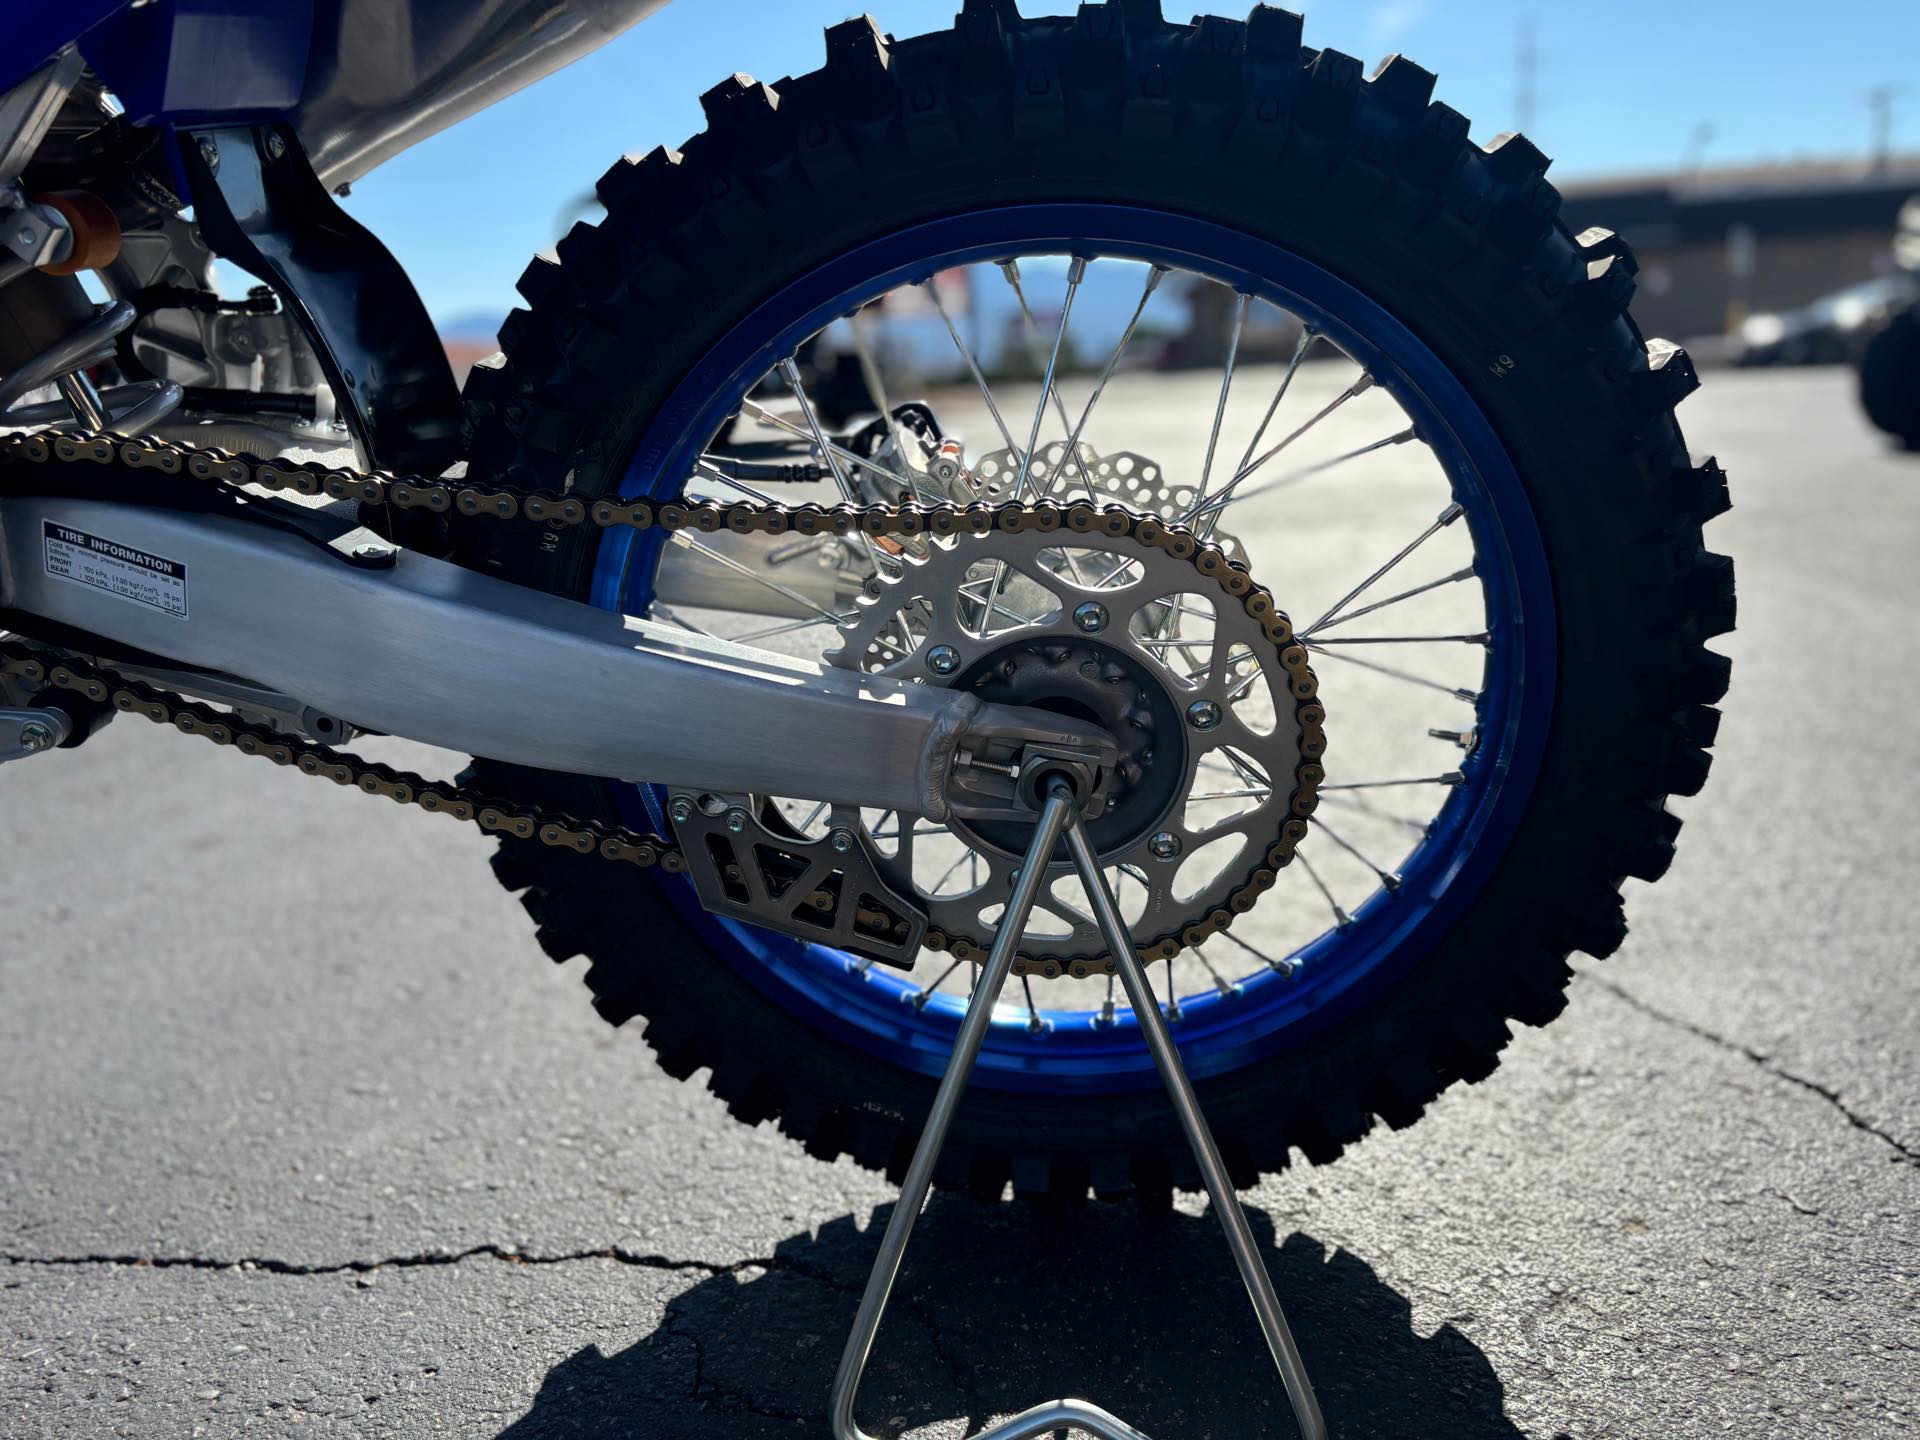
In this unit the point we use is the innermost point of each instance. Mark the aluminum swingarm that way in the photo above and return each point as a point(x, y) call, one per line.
point(405, 644)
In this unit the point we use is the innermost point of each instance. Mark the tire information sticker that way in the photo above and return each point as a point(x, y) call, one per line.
point(136, 575)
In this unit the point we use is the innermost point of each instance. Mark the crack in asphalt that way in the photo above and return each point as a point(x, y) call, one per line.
point(1767, 1063)
point(420, 1260)
point(726, 1398)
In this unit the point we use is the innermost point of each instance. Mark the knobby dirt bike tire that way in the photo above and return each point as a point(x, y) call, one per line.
point(1237, 123)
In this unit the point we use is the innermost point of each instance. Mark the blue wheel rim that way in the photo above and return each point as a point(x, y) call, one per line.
point(1345, 968)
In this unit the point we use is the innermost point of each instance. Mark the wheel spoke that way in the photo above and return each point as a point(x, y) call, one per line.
point(1478, 638)
point(918, 831)
point(925, 993)
point(699, 547)
point(1010, 269)
point(1229, 795)
point(1387, 878)
point(1455, 578)
point(1024, 480)
point(973, 366)
point(1307, 472)
point(978, 591)
point(1215, 507)
point(965, 856)
point(1285, 967)
point(1340, 916)
point(1447, 516)
point(708, 467)
point(1075, 273)
point(1154, 277)
point(673, 617)
point(1244, 769)
point(870, 370)
point(1470, 697)
point(1226, 387)
point(1307, 336)
point(827, 448)
point(1373, 812)
point(1452, 777)
point(1226, 987)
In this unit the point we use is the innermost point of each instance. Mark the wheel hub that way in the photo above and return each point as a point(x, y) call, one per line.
point(1090, 680)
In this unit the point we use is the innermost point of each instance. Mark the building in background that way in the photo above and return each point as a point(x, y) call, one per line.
point(1716, 246)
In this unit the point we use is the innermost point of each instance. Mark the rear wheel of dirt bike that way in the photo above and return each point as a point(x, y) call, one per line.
point(1287, 304)
point(1890, 380)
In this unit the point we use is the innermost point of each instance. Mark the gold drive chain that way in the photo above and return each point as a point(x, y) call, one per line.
point(880, 522)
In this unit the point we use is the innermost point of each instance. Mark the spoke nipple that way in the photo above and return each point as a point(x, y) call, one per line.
point(1289, 968)
point(1228, 990)
point(841, 840)
point(1204, 714)
point(1106, 1015)
point(1390, 882)
point(1452, 513)
point(1453, 777)
point(1090, 617)
point(1164, 846)
point(943, 659)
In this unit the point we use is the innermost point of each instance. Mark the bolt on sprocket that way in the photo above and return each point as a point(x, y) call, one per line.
point(1218, 723)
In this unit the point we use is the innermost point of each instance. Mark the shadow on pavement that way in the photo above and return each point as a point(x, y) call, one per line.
point(1001, 1307)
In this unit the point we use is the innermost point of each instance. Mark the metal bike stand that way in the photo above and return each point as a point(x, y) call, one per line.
point(1060, 815)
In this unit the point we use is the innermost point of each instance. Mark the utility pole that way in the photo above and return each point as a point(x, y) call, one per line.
point(1526, 66)
point(1695, 154)
point(1880, 123)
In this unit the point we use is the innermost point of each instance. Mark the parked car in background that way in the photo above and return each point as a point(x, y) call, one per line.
point(1833, 330)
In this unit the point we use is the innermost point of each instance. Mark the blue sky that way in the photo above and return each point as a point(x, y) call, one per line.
point(1622, 86)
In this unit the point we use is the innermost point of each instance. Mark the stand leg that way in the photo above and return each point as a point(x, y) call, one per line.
point(1226, 1202)
point(913, 1191)
point(1057, 817)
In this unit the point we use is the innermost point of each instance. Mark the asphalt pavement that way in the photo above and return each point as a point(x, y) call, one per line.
point(300, 1134)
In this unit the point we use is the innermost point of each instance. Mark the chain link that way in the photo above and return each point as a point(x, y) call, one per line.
point(70, 448)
